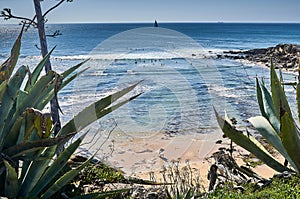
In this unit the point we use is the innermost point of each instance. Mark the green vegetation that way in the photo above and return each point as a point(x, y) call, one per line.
point(181, 181)
point(33, 160)
point(278, 188)
point(276, 125)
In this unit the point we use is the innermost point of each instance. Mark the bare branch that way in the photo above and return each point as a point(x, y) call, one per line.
point(55, 34)
point(52, 8)
point(6, 14)
point(37, 47)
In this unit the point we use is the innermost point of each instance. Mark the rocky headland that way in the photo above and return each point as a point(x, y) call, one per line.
point(283, 56)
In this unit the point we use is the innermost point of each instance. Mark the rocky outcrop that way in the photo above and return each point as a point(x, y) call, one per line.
point(282, 55)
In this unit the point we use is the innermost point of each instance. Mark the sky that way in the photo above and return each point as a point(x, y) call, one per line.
point(97, 11)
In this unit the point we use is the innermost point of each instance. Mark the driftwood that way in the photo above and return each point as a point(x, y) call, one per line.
point(225, 169)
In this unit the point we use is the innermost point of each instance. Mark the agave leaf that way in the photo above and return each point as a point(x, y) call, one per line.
point(268, 132)
point(11, 181)
point(30, 116)
point(21, 96)
point(178, 196)
point(188, 195)
point(48, 96)
point(15, 136)
point(63, 180)
point(96, 111)
point(34, 166)
point(107, 194)
point(37, 71)
point(38, 89)
point(67, 81)
point(82, 122)
point(8, 66)
point(298, 99)
point(55, 168)
point(9, 100)
point(278, 94)
point(266, 105)
point(34, 172)
point(250, 144)
point(259, 97)
point(33, 119)
point(23, 148)
point(3, 86)
point(43, 98)
point(42, 123)
point(72, 69)
point(21, 133)
point(275, 89)
point(290, 137)
point(24, 169)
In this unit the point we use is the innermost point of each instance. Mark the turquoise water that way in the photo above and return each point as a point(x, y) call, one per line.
point(181, 79)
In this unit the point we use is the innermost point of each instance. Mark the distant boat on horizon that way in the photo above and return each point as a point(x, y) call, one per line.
point(155, 24)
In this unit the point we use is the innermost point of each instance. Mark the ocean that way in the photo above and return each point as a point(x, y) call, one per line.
point(181, 80)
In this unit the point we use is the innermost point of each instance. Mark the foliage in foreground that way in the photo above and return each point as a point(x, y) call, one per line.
point(29, 166)
point(278, 188)
point(276, 125)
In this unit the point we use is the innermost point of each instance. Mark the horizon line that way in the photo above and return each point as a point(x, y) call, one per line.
point(162, 22)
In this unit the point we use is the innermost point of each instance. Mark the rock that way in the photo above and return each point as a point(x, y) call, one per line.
point(290, 65)
point(282, 55)
point(149, 193)
point(152, 195)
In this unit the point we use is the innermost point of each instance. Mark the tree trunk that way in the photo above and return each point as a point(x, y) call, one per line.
point(44, 49)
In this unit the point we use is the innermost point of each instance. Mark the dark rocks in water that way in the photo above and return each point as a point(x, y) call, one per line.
point(282, 55)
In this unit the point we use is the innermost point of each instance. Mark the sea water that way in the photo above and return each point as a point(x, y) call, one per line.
point(181, 79)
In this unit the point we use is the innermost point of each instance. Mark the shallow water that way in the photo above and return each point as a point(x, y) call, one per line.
point(180, 81)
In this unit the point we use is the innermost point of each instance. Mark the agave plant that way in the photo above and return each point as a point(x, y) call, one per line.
point(29, 164)
point(276, 124)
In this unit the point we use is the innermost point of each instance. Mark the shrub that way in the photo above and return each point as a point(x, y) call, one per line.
point(30, 166)
point(276, 124)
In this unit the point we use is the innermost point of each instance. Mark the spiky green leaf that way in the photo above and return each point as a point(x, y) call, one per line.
point(35, 171)
point(268, 132)
point(298, 99)
point(55, 168)
point(278, 94)
point(9, 100)
point(290, 137)
point(11, 181)
point(96, 111)
point(266, 105)
point(26, 147)
point(48, 96)
point(63, 180)
point(8, 66)
point(37, 71)
point(250, 144)
point(72, 69)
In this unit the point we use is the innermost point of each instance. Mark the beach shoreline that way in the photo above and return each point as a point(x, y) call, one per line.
point(145, 157)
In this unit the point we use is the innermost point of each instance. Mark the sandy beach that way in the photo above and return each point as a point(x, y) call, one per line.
point(148, 154)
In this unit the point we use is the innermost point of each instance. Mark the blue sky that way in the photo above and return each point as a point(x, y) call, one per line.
point(163, 10)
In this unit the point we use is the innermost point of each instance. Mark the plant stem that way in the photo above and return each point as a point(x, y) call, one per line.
point(44, 50)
